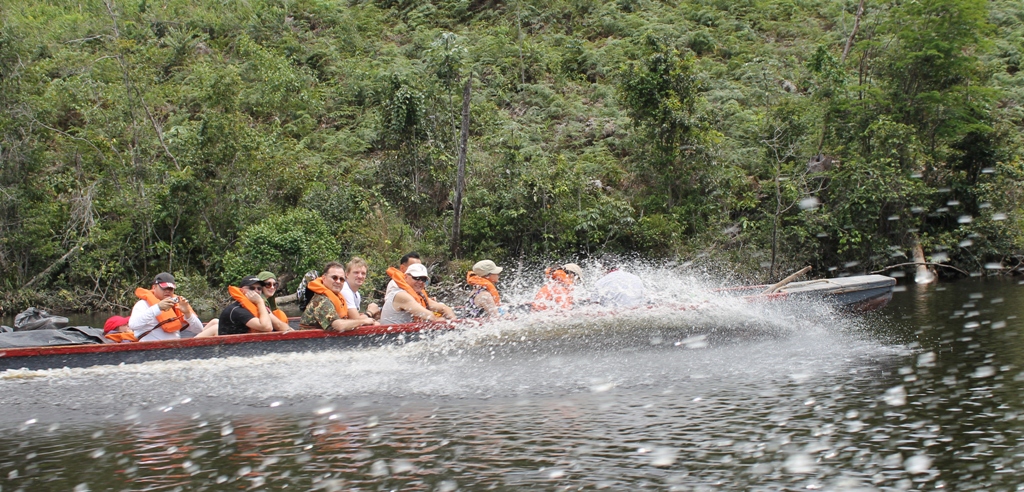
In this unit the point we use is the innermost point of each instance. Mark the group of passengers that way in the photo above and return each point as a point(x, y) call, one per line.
point(331, 301)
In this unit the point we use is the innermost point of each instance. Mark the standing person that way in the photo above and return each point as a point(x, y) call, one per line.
point(248, 313)
point(270, 286)
point(410, 302)
point(484, 301)
point(618, 288)
point(413, 258)
point(355, 276)
point(159, 314)
point(557, 292)
point(327, 309)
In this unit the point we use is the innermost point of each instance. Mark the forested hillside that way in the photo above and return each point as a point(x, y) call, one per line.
point(218, 138)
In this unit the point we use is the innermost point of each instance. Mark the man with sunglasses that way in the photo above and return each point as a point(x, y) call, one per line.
point(161, 315)
point(410, 302)
point(327, 310)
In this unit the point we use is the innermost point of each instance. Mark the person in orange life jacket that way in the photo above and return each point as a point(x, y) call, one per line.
point(413, 258)
point(248, 313)
point(410, 302)
point(160, 315)
point(116, 330)
point(484, 301)
point(355, 274)
point(270, 285)
point(327, 309)
point(557, 292)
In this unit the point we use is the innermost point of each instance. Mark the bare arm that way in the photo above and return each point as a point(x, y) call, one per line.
point(278, 324)
point(350, 324)
point(439, 307)
point(404, 302)
point(261, 324)
point(486, 301)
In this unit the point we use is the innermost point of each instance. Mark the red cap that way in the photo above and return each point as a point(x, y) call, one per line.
point(113, 323)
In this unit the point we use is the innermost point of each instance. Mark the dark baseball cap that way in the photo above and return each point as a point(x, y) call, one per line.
point(250, 280)
point(165, 281)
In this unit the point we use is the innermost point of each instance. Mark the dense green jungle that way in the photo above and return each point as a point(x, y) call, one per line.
point(215, 139)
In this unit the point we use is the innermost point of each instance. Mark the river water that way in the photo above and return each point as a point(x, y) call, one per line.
point(924, 394)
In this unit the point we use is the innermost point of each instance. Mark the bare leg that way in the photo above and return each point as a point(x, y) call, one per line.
point(210, 330)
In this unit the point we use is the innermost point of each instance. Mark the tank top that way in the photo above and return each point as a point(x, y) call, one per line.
point(389, 315)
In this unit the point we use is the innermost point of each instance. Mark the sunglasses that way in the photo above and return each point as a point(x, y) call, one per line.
point(421, 279)
point(270, 284)
point(336, 278)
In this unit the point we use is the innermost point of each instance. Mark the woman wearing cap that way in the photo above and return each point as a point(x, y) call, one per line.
point(484, 301)
point(557, 292)
point(270, 285)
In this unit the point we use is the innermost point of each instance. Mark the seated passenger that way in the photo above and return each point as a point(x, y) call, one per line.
point(618, 288)
point(484, 301)
point(410, 302)
point(557, 292)
point(413, 258)
point(355, 274)
point(327, 309)
point(270, 285)
point(248, 313)
point(160, 315)
point(116, 330)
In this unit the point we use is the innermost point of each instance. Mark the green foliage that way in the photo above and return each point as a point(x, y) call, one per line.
point(207, 137)
point(288, 245)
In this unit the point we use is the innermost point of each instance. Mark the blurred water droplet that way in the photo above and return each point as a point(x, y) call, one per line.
point(965, 219)
point(447, 486)
point(917, 464)
point(97, 453)
point(379, 469)
point(917, 210)
point(966, 243)
point(226, 430)
point(999, 216)
point(810, 203)
point(894, 217)
point(243, 471)
point(993, 266)
point(896, 396)
point(799, 463)
point(556, 473)
point(82, 487)
point(984, 372)
point(663, 456)
point(926, 359)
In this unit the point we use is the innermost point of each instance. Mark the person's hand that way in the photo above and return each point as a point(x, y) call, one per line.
point(254, 296)
point(185, 306)
point(166, 303)
point(368, 321)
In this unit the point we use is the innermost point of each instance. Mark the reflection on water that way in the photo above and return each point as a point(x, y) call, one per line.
point(731, 396)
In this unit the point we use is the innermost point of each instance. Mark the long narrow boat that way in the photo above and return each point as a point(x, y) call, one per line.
point(861, 293)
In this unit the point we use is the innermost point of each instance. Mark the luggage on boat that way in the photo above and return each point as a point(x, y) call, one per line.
point(37, 319)
point(72, 335)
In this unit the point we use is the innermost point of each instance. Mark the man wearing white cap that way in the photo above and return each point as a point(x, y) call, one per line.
point(484, 301)
point(409, 302)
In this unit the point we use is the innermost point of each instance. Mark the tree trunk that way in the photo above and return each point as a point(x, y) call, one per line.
point(856, 25)
point(460, 179)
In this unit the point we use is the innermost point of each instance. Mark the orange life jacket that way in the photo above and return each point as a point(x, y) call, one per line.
point(340, 306)
point(478, 281)
point(556, 293)
point(399, 279)
point(239, 296)
point(121, 336)
point(171, 320)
